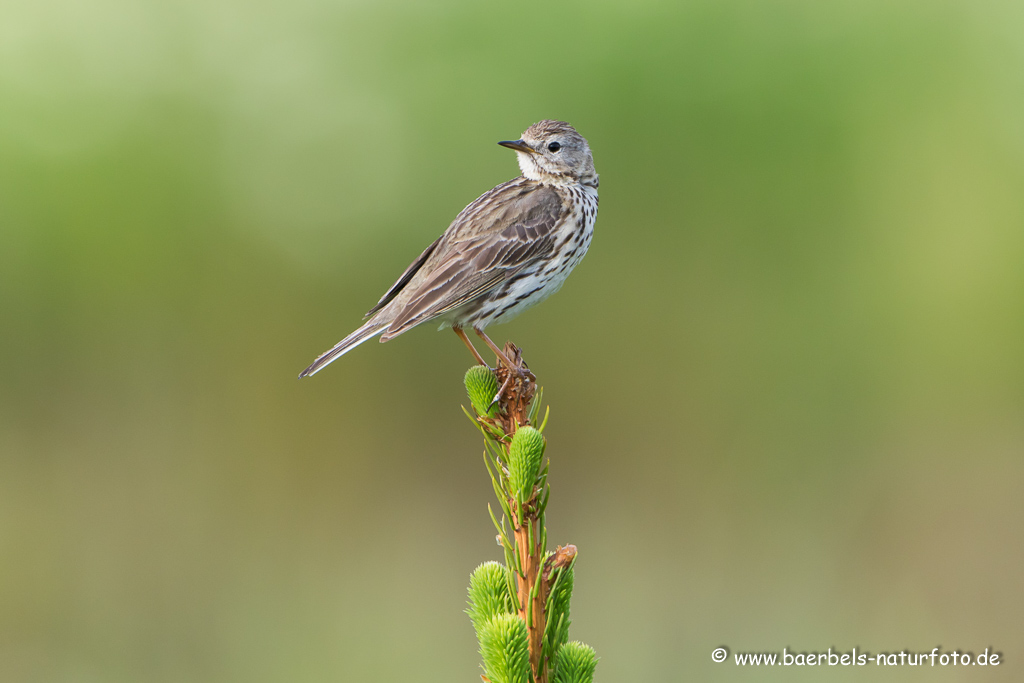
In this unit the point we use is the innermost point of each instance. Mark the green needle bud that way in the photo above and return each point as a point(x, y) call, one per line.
point(524, 456)
point(557, 629)
point(488, 594)
point(505, 649)
point(481, 385)
point(575, 663)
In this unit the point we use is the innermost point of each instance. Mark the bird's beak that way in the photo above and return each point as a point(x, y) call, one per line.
point(518, 145)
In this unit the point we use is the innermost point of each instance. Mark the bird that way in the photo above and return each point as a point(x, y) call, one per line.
point(508, 250)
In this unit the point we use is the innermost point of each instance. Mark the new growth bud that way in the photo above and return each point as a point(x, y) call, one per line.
point(481, 386)
point(524, 457)
point(575, 663)
point(489, 594)
point(505, 649)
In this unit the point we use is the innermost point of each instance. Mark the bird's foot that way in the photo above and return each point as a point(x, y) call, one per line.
point(517, 382)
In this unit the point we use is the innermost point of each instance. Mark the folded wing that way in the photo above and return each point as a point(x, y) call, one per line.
point(495, 237)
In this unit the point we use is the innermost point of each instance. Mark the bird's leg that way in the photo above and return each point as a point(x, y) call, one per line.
point(469, 344)
point(497, 352)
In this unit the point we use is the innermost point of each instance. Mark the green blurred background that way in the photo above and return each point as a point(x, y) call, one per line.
point(787, 384)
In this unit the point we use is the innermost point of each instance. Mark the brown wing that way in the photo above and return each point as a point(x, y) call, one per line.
point(490, 241)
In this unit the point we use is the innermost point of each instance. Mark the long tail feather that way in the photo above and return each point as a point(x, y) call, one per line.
point(368, 331)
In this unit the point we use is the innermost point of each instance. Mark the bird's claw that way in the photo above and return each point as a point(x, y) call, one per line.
point(502, 389)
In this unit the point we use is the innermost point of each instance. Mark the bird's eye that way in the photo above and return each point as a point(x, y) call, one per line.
point(554, 147)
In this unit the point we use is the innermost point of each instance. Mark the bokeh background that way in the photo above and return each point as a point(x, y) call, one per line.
point(787, 384)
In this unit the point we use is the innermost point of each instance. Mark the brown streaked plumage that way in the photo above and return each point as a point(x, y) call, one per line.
point(511, 248)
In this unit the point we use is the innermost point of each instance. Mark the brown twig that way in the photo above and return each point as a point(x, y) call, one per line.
point(516, 393)
point(533, 593)
point(518, 386)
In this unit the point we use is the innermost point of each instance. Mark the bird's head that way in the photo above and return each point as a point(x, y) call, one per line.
point(552, 151)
